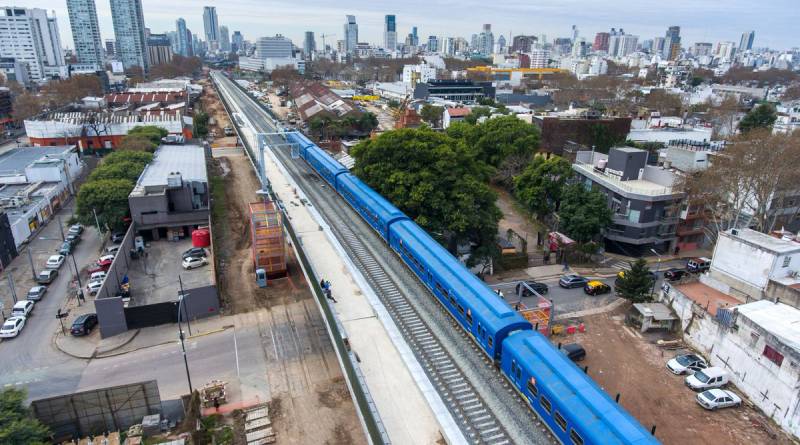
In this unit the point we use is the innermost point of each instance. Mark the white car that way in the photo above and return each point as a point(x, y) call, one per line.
point(686, 364)
point(192, 262)
point(55, 261)
point(97, 276)
point(715, 399)
point(109, 257)
point(708, 378)
point(112, 250)
point(12, 327)
point(22, 308)
point(94, 286)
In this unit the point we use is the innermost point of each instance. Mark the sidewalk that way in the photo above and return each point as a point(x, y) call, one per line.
point(93, 347)
point(664, 258)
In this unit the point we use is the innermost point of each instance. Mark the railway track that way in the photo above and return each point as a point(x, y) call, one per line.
point(447, 370)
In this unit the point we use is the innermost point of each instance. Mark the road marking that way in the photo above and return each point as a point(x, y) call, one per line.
point(236, 351)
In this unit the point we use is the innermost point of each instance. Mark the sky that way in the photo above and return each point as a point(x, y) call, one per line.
point(774, 21)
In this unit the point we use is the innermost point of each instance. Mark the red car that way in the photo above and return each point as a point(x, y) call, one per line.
point(99, 267)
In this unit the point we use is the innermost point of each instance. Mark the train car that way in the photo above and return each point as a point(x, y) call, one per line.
point(374, 208)
point(324, 164)
point(488, 321)
point(302, 141)
point(571, 404)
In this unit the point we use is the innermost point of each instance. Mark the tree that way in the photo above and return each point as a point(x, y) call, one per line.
point(583, 213)
point(477, 113)
point(129, 170)
point(107, 197)
point(151, 132)
point(667, 103)
point(724, 116)
point(135, 75)
point(73, 89)
point(18, 426)
point(137, 143)
point(200, 123)
point(762, 116)
point(501, 137)
point(540, 185)
point(636, 284)
point(141, 158)
point(26, 106)
point(367, 122)
point(436, 181)
point(792, 92)
point(431, 114)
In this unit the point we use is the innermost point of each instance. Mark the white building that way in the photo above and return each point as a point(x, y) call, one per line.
point(85, 32)
point(129, 32)
point(540, 58)
point(278, 47)
point(414, 74)
point(31, 37)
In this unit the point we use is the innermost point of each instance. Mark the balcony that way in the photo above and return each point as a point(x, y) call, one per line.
point(637, 187)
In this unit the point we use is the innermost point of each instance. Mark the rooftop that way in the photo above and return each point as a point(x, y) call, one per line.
point(652, 185)
point(188, 160)
point(658, 311)
point(780, 320)
point(17, 159)
point(764, 241)
point(707, 297)
point(458, 112)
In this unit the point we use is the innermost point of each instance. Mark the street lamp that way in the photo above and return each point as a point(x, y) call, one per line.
point(183, 346)
point(658, 268)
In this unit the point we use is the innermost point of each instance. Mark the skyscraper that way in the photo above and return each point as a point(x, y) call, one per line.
point(224, 39)
point(110, 47)
point(31, 37)
point(746, 42)
point(85, 31)
point(159, 49)
point(278, 47)
point(390, 33)
point(237, 42)
point(211, 24)
point(183, 38)
point(131, 44)
point(350, 34)
point(486, 40)
point(601, 41)
point(672, 43)
point(433, 44)
point(309, 45)
point(414, 36)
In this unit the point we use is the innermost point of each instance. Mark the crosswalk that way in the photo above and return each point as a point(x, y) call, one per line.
point(617, 264)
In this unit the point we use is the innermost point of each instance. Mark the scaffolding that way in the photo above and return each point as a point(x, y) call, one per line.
point(266, 231)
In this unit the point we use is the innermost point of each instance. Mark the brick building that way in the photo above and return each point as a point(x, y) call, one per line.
point(558, 130)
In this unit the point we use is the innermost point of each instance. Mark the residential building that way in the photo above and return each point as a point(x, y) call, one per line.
point(725, 51)
point(414, 36)
point(314, 99)
point(211, 26)
point(12, 69)
point(278, 47)
point(390, 33)
point(557, 130)
point(625, 44)
point(131, 44)
point(746, 42)
point(702, 49)
point(523, 44)
point(485, 41)
point(6, 107)
point(465, 91)
point(182, 37)
point(85, 32)
point(224, 39)
point(641, 197)
point(451, 115)
point(309, 45)
point(540, 58)
point(159, 49)
point(658, 45)
point(350, 35)
point(601, 41)
point(433, 44)
point(414, 74)
point(110, 47)
point(672, 43)
point(237, 42)
point(31, 38)
point(172, 191)
point(8, 249)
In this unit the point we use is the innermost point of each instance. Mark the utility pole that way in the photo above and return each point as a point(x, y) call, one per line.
point(11, 286)
point(61, 227)
point(185, 311)
point(97, 222)
point(30, 260)
point(78, 278)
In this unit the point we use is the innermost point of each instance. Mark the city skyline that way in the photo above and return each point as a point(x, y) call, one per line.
point(700, 21)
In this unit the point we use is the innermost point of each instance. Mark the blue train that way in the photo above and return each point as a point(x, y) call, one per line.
point(570, 403)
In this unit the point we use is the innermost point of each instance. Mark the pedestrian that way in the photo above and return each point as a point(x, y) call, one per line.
point(677, 250)
point(322, 284)
point(216, 404)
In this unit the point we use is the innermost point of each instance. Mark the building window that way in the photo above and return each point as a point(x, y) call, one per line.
point(786, 261)
point(773, 355)
point(754, 336)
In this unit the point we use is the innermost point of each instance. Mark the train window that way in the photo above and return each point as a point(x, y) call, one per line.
point(490, 342)
point(560, 421)
point(461, 309)
point(469, 317)
point(440, 289)
point(452, 300)
point(575, 437)
point(545, 404)
point(532, 387)
point(519, 372)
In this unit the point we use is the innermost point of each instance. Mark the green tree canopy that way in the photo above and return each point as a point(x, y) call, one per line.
point(762, 116)
point(540, 185)
point(151, 132)
point(137, 143)
point(200, 123)
point(17, 424)
point(501, 137)
point(129, 170)
point(583, 213)
point(431, 114)
point(436, 181)
point(107, 197)
point(635, 284)
point(139, 157)
point(477, 113)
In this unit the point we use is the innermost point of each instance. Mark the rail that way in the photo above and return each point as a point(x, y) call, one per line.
point(366, 407)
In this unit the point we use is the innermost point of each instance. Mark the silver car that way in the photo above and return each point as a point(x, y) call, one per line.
point(714, 399)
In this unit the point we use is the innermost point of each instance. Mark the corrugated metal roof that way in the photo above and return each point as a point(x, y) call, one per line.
point(17, 159)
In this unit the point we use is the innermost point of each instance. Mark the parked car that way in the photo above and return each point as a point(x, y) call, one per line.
point(74, 239)
point(538, 287)
point(65, 249)
point(93, 287)
point(22, 308)
point(715, 399)
point(675, 274)
point(12, 327)
point(708, 378)
point(194, 252)
point(108, 257)
point(47, 276)
point(686, 364)
point(103, 264)
point(596, 287)
point(99, 267)
point(75, 229)
point(98, 276)
point(113, 250)
point(117, 237)
point(574, 351)
point(83, 325)
point(193, 262)
point(55, 261)
point(697, 265)
point(36, 293)
point(571, 281)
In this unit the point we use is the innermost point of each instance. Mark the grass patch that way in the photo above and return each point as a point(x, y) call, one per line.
point(218, 199)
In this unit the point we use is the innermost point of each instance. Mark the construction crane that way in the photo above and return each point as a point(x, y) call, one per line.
point(324, 47)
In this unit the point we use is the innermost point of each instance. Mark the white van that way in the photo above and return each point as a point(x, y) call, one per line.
point(708, 378)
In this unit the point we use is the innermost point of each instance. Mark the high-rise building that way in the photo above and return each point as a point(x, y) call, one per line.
point(109, 47)
point(159, 49)
point(658, 45)
point(131, 44)
point(702, 49)
point(574, 33)
point(31, 38)
point(211, 25)
point(601, 41)
point(237, 42)
point(725, 51)
point(309, 45)
point(414, 36)
point(485, 43)
point(522, 44)
point(647, 45)
point(540, 58)
point(85, 32)
point(183, 39)
point(433, 44)
point(746, 42)
point(278, 47)
point(672, 43)
point(350, 34)
point(224, 39)
point(500, 45)
point(390, 33)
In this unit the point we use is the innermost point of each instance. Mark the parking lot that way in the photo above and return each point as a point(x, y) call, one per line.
point(624, 361)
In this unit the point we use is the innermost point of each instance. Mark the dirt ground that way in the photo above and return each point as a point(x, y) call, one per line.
point(211, 104)
point(310, 399)
point(623, 361)
point(514, 219)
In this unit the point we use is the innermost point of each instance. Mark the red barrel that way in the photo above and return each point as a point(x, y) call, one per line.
point(201, 238)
